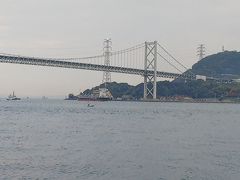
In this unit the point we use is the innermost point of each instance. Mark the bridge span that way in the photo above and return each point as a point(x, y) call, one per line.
point(142, 59)
point(94, 67)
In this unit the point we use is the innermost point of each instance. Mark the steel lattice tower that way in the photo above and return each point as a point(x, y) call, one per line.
point(150, 80)
point(201, 51)
point(107, 51)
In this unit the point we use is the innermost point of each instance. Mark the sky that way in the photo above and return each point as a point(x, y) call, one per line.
point(77, 28)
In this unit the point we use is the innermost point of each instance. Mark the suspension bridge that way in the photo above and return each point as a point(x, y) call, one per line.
point(143, 59)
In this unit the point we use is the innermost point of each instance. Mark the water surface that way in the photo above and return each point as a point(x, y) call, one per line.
point(56, 139)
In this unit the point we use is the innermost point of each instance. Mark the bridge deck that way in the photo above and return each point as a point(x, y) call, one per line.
point(95, 67)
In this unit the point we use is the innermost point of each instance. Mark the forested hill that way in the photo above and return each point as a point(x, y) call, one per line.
point(219, 65)
point(224, 65)
point(194, 89)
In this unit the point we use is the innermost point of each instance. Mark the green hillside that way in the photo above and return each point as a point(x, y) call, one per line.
point(224, 64)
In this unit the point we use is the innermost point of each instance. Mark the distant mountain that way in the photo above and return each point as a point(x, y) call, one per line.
point(223, 64)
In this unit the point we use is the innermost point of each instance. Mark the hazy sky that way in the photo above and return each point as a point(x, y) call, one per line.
point(76, 28)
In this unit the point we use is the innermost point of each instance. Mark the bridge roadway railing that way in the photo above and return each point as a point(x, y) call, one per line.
point(95, 67)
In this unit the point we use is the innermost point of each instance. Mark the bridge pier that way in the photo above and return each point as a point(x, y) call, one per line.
point(150, 64)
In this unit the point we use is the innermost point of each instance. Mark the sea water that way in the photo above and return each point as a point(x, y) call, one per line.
point(57, 139)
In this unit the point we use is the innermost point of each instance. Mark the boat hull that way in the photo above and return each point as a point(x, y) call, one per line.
point(13, 99)
point(94, 99)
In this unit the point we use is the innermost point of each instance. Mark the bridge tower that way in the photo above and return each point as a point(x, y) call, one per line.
point(150, 64)
point(107, 52)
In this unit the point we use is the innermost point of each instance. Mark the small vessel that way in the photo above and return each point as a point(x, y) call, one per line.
point(90, 105)
point(13, 97)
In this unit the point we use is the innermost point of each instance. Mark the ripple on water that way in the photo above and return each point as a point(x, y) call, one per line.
point(55, 139)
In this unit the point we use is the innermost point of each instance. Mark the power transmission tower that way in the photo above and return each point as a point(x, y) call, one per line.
point(201, 51)
point(107, 52)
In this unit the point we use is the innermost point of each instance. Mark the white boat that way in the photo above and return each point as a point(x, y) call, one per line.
point(13, 97)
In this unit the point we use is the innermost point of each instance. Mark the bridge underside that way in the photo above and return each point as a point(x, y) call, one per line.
point(94, 67)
